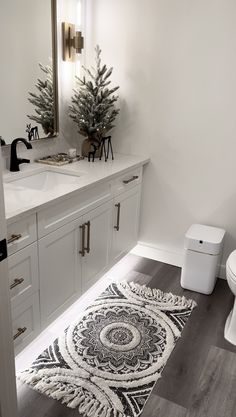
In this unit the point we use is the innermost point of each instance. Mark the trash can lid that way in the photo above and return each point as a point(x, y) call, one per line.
point(205, 239)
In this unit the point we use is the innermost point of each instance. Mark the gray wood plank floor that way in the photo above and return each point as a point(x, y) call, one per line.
point(215, 395)
point(199, 379)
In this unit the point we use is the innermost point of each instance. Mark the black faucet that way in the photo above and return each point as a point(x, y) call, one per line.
point(15, 162)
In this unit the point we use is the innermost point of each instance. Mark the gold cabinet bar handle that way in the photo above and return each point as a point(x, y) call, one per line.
point(82, 251)
point(117, 227)
point(13, 238)
point(17, 281)
point(88, 237)
point(21, 330)
point(134, 177)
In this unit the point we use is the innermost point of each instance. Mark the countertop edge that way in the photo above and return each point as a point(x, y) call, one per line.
point(12, 218)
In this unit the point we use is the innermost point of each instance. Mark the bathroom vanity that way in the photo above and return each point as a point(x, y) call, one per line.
point(70, 226)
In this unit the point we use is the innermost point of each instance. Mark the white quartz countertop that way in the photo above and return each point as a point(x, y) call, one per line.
point(86, 174)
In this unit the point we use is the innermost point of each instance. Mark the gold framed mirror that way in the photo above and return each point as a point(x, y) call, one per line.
point(29, 70)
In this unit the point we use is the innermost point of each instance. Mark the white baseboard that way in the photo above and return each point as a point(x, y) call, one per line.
point(152, 252)
point(168, 257)
point(222, 271)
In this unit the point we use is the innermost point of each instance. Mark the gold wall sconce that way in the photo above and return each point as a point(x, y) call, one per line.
point(72, 42)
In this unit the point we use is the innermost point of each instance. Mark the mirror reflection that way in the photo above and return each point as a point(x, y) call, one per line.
point(28, 70)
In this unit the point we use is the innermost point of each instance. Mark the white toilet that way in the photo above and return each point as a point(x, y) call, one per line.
point(230, 325)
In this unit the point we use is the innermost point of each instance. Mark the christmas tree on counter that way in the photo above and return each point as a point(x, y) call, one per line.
point(93, 103)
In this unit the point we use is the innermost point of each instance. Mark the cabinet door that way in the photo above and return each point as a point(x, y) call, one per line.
point(25, 322)
point(97, 244)
point(21, 233)
point(23, 273)
point(60, 271)
point(125, 222)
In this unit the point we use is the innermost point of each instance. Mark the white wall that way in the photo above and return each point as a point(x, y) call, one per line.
point(175, 62)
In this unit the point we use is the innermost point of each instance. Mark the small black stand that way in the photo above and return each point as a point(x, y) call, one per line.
point(106, 149)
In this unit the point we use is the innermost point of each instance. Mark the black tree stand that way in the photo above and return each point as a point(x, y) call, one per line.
point(106, 146)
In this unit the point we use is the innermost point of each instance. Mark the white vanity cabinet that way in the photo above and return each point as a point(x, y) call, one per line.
point(125, 222)
point(23, 274)
point(60, 271)
point(25, 322)
point(95, 261)
point(23, 280)
point(60, 251)
point(126, 207)
point(71, 259)
point(21, 234)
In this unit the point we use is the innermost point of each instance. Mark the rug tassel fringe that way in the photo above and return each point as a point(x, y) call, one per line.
point(159, 295)
point(73, 398)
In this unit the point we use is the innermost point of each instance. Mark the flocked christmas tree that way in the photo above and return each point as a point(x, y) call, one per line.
point(44, 101)
point(93, 103)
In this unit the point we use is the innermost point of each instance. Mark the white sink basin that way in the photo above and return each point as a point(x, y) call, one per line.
point(45, 181)
point(37, 188)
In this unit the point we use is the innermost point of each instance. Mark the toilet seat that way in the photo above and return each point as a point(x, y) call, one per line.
point(230, 273)
point(230, 325)
point(231, 266)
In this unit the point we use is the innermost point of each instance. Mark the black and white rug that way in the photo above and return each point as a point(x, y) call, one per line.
point(106, 364)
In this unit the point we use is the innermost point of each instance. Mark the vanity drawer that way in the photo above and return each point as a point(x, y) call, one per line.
point(127, 181)
point(21, 234)
point(25, 322)
point(23, 274)
point(59, 214)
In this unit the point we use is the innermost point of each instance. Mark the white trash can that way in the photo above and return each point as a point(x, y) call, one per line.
point(203, 246)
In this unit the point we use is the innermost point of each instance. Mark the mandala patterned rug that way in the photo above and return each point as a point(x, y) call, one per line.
point(107, 363)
